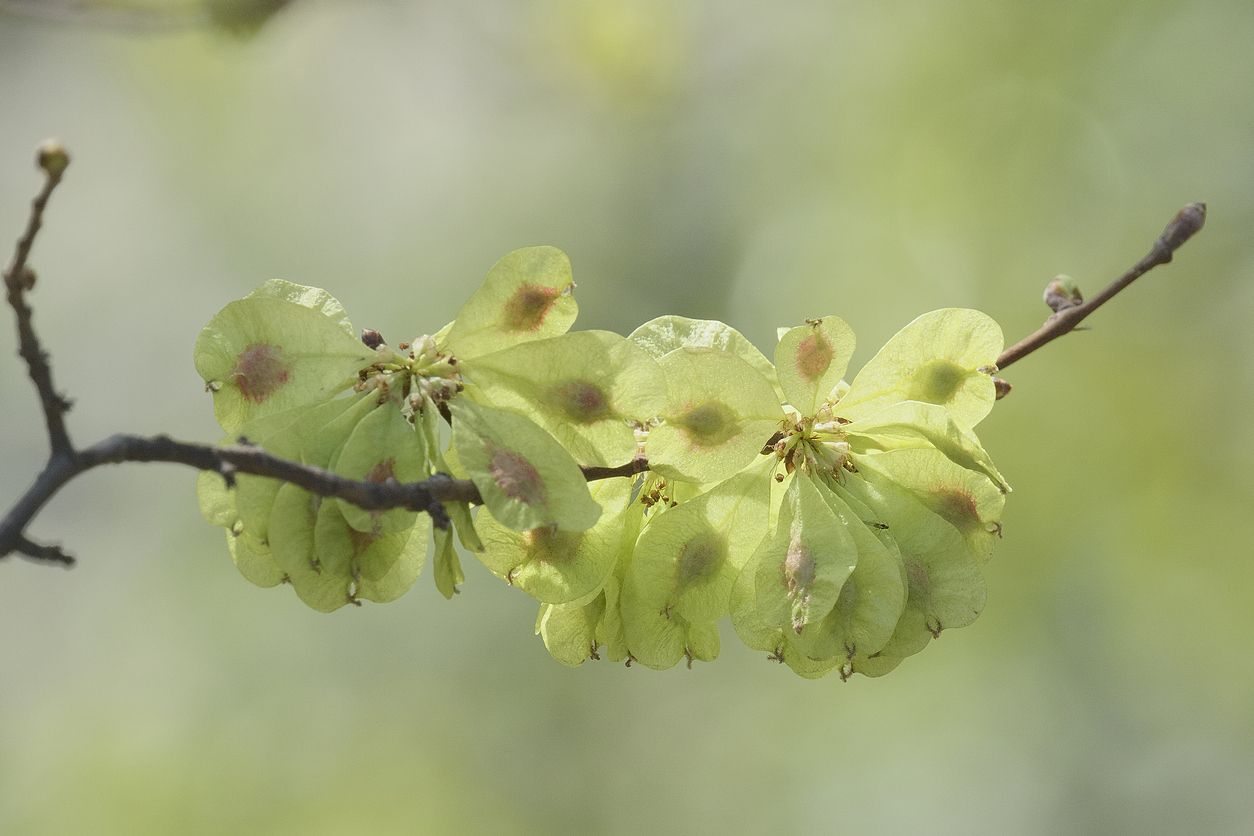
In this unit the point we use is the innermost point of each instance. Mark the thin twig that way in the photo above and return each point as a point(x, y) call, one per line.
point(19, 278)
point(1185, 224)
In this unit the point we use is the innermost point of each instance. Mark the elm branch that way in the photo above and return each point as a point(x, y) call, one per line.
point(65, 462)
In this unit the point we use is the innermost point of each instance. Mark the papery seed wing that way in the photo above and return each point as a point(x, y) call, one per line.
point(802, 566)
point(554, 565)
point(569, 632)
point(935, 359)
point(581, 387)
point(912, 424)
point(811, 359)
point(263, 354)
point(525, 477)
point(525, 296)
point(665, 334)
point(382, 446)
point(721, 413)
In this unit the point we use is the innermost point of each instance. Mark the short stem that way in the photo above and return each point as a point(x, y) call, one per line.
point(1185, 224)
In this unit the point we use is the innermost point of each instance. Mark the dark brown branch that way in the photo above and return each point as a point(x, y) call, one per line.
point(59, 470)
point(19, 278)
point(637, 465)
point(43, 553)
point(1185, 224)
point(247, 458)
point(425, 496)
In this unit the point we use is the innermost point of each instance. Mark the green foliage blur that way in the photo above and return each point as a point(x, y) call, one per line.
point(753, 162)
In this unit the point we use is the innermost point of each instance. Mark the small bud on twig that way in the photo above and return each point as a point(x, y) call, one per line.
point(371, 337)
point(1062, 293)
point(53, 158)
point(1183, 226)
point(1002, 387)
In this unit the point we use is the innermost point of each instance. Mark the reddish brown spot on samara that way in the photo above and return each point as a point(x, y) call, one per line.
point(382, 471)
point(709, 424)
point(516, 477)
point(361, 541)
point(957, 507)
point(379, 474)
point(814, 356)
point(530, 304)
point(579, 402)
point(259, 371)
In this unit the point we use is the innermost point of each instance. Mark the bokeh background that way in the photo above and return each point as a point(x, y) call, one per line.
point(753, 162)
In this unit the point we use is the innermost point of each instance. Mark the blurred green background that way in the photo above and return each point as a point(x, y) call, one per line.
point(754, 162)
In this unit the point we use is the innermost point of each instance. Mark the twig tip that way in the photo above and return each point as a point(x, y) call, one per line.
point(40, 553)
point(1187, 222)
point(52, 158)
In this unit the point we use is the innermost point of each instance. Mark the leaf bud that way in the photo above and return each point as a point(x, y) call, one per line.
point(371, 337)
point(53, 158)
point(1062, 293)
point(1183, 226)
